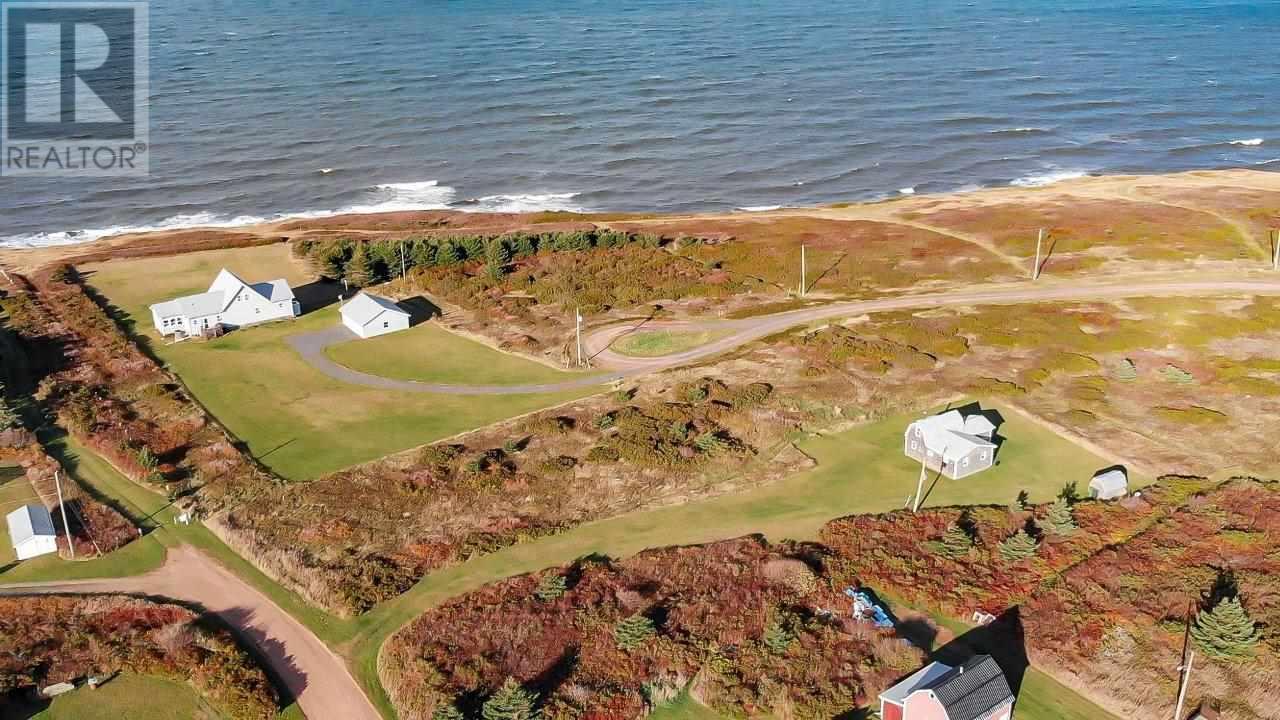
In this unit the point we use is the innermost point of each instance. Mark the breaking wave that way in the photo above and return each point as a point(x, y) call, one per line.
point(1048, 178)
point(387, 197)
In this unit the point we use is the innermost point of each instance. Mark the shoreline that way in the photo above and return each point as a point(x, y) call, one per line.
point(408, 222)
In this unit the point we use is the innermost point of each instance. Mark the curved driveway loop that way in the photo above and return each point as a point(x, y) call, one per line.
point(311, 345)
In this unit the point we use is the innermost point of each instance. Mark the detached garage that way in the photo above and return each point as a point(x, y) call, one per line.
point(369, 316)
point(31, 532)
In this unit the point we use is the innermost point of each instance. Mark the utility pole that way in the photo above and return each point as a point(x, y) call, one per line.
point(1184, 670)
point(402, 266)
point(1275, 259)
point(1035, 269)
point(915, 506)
point(57, 484)
point(577, 315)
point(803, 273)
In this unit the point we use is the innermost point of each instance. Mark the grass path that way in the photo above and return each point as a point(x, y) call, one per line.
point(429, 353)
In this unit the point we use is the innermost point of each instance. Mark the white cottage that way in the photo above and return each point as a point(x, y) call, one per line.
point(31, 532)
point(954, 444)
point(369, 316)
point(229, 302)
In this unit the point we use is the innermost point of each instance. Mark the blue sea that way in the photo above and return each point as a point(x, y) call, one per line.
point(273, 108)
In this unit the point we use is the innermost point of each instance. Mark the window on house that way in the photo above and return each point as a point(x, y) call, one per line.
point(386, 324)
point(965, 462)
point(915, 445)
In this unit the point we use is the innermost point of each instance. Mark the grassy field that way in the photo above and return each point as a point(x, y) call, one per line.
point(859, 471)
point(855, 474)
point(429, 353)
point(136, 697)
point(655, 343)
point(296, 420)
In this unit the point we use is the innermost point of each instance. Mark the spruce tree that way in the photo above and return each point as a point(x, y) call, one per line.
point(631, 632)
point(1225, 631)
point(1020, 503)
point(956, 542)
point(510, 702)
point(550, 587)
point(1060, 518)
point(1018, 546)
point(448, 253)
point(359, 270)
point(777, 637)
point(331, 261)
point(423, 254)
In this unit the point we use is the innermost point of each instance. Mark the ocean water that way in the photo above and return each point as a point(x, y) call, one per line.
point(269, 108)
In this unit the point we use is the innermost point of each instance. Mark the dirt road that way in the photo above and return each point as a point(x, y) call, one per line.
point(316, 677)
point(311, 345)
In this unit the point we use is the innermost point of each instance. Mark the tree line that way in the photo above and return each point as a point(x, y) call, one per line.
point(365, 263)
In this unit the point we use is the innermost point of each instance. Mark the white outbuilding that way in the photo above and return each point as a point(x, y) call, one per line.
point(31, 532)
point(369, 316)
point(1109, 484)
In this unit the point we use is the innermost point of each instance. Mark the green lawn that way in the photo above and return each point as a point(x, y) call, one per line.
point(135, 697)
point(296, 420)
point(861, 470)
point(684, 707)
point(429, 353)
point(656, 343)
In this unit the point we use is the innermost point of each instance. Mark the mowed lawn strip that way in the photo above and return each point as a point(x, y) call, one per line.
point(656, 343)
point(862, 470)
point(131, 696)
point(429, 353)
point(296, 420)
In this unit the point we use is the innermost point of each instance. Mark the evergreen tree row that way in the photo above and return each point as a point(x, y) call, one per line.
point(367, 263)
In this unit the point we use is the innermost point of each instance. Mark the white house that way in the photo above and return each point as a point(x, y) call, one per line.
point(31, 532)
point(952, 443)
point(1109, 485)
point(369, 316)
point(229, 302)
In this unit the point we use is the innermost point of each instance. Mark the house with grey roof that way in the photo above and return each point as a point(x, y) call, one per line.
point(228, 303)
point(974, 690)
point(955, 444)
point(369, 315)
point(31, 532)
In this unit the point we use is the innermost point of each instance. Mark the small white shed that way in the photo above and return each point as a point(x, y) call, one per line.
point(369, 316)
point(31, 532)
point(1109, 485)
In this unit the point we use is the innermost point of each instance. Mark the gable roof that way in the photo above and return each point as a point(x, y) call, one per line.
point(207, 303)
point(951, 434)
point(274, 290)
point(972, 690)
point(221, 292)
point(27, 522)
point(917, 680)
point(365, 307)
